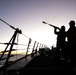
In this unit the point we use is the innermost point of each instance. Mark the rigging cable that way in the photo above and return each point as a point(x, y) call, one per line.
point(14, 28)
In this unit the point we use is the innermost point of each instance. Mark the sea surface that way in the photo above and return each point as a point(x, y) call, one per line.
point(13, 58)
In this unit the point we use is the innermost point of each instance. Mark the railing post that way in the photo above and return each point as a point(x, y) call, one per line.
point(8, 56)
point(29, 42)
point(32, 54)
point(36, 48)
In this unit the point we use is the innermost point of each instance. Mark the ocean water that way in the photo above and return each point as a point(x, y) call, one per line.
point(11, 59)
point(15, 55)
point(19, 50)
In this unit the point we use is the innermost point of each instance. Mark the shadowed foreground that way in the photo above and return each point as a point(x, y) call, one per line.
point(42, 64)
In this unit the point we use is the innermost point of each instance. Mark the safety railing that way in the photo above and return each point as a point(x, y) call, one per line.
point(14, 50)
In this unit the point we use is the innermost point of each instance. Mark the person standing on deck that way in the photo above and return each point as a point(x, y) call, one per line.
point(71, 38)
point(60, 45)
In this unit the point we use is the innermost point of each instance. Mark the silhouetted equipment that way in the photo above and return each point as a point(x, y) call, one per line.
point(10, 45)
point(51, 25)
point(8, 24)
point(12, 41)
point(43, 62)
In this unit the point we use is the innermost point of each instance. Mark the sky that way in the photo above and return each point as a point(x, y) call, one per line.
point(28, 15)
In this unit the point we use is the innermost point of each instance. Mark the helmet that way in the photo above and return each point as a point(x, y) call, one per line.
point(62, 27)
point(72, 22)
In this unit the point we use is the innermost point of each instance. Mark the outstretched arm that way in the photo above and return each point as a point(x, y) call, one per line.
point(55, 30)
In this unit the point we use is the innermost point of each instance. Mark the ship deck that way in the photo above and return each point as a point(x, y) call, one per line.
point(46, 64)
